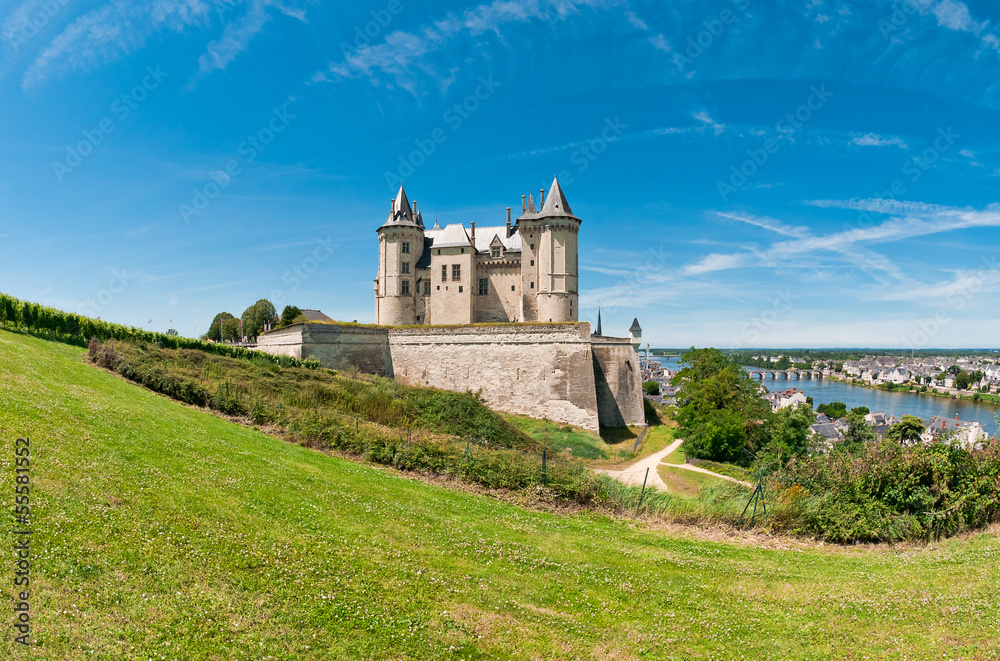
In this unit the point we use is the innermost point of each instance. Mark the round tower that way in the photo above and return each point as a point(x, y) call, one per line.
point(400, 246)
point(550, 268)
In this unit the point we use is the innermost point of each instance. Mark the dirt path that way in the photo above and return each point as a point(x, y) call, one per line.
point(636, 473)
point(696, 469)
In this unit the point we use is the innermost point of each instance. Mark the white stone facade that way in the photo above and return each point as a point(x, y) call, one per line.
point(522, 272)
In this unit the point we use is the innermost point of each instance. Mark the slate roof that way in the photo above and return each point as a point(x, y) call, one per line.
point(635, 325)
point(315, 315)
point(485, 236)
point(402, 212)
point(454, 235)
point(555, 205)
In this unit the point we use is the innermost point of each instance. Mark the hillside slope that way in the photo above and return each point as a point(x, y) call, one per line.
point(163, 532)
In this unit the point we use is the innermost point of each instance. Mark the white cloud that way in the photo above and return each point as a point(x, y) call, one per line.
point(660, 43)
point(635, 21)
point(852, 245)
point(706, 119)
point(239, 33)
point(956, 16)
point(111, 32)
point(402, 52)
point(876, 140)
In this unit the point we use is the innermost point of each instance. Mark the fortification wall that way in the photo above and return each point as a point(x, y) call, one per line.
point(618, 382)
point(553, 371)
point(283, 342)
point(543, 370)
point(336, 346)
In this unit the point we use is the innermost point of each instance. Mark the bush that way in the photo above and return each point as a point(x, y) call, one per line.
point(891, 493)
point(651, 387)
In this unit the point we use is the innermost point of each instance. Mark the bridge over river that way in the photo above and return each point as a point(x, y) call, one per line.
point(774, 375)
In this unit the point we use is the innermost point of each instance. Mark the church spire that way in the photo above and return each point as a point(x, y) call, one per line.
point(598, 321)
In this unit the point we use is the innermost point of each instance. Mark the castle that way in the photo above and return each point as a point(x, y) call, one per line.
point(526, 272)
point(434, 284)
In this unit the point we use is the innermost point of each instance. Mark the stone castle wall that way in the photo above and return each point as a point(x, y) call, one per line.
point(543, 371)
point(555, 371)
point(618, 381)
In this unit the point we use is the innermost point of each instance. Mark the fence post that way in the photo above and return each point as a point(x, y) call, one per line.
point(642, 493)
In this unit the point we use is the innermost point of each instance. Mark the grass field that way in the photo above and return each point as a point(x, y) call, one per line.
point(163, 532)
point(684, 482)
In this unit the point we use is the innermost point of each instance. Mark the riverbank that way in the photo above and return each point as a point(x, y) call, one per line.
point(963, 395)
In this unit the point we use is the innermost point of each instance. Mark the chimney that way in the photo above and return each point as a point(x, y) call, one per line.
point(508, 222)
point(414, 208)
point(473, 233)
point(524, 204)
point(541, 198)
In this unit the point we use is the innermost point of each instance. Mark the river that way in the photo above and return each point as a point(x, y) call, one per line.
point(893, 403)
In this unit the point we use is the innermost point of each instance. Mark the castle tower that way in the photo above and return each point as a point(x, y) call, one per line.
point(549, 266)
point(400, 246)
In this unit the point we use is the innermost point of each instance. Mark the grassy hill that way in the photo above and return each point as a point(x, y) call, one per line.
point(163, 532)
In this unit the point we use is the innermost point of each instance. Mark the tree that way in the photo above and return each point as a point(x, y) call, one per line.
point(954, 370)
point(231, 329)
point(721, 412)
point(788, 432)
point(863, 410)
point(289, 314)
point(858, 433)
point(215, 329)
point(906, 432)
point(833, 410)
point(651, 387)
point(173, 332)
point(783, 363)
point(257, 316)
point(962, 380)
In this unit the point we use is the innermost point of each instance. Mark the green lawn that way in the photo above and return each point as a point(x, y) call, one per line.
point(162, 532)
point(684, 482)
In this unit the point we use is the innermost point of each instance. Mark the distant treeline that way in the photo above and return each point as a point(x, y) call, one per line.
point(78, 329)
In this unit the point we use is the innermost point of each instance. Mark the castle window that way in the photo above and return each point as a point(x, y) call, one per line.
point(406, 267)
point(532, 246)
point(484, 286)
point(444, 273)
point(512, 287)
point(427, 287)
point(406, 286)
point(406, 248)
point(456, 272)
point(532, 285)
point(495, 252)
point(532, 262)
point(461, 289)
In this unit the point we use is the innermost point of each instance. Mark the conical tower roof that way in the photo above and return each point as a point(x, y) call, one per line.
point(402, 211)
point(635, 325)
point(555, 205)
point(555, 202)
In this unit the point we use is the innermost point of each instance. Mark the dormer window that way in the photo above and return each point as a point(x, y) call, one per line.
point(495, 252)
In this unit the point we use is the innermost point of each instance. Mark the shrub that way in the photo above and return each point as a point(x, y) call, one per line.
point(891, 493)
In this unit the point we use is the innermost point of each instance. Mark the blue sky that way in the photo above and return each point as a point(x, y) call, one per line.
point(749, 173)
